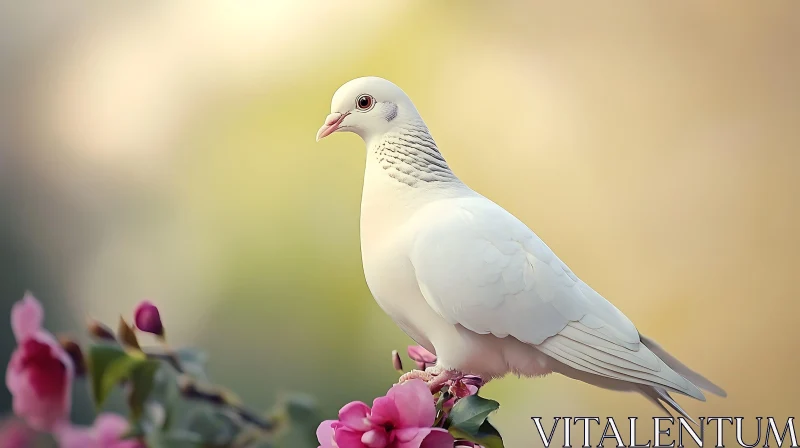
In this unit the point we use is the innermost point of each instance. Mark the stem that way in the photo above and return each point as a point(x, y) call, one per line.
point(440, 408)
point(189, 389)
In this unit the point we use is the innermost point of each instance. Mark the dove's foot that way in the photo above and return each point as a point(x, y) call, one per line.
point(435, 377)
point(441, 377)
point(416, 375)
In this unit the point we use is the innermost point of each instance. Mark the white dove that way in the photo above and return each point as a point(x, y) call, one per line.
point(469, 281)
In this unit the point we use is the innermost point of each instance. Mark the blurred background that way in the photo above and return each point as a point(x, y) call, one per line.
point(165, 150)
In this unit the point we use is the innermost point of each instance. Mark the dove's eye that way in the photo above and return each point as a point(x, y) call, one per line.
point(365, 102)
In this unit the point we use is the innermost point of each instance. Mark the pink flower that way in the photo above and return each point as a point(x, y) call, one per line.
point(40, 372)
point(105, 433)
point(401, 419)
point(148, 319)
point(421, 356)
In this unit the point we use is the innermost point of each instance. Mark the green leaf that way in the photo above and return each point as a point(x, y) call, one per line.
point(469, 413)
point(486, 436)
point(118, 370)
point(101, 359)
point(142, 376)
point(110, 365)
point(165, 392)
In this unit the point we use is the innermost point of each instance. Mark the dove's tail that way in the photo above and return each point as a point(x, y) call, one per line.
point(659, 396)
point(696, 379)
point(596, 364)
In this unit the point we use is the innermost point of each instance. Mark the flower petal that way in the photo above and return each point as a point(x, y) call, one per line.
point(345, 437)
point(414, 403)
point(473, 380)
point(325, 434)
point(39, 377)
point(384, 411)
point(27, 316)
point(354, 416)
point(69, 436)
point(376, 438)
point(419, 353)
point(109, 428)
point(423, 438)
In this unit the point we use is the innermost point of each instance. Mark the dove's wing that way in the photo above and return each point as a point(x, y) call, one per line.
point(480, 267)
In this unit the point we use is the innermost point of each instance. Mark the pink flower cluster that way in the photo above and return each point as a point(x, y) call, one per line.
point(402, 419)
point(39, 377)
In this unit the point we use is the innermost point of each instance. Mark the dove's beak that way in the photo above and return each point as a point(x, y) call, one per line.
point(332, 123)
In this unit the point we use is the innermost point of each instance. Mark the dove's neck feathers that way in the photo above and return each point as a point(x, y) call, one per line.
point(404, 172)
point(408, 155)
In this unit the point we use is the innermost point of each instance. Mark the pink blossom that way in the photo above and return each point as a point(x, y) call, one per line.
point(40, 372)
point(105, 433)
point(421, 356)
point(402, 419)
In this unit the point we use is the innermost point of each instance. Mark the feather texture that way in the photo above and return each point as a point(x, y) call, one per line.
point(480, 267)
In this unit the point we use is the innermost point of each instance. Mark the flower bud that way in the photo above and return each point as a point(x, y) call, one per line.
point(74, 351)
point(98, 330)
point(396, 361)
point(148, 319)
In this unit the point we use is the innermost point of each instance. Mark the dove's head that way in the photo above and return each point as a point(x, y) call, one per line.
point(369, 107)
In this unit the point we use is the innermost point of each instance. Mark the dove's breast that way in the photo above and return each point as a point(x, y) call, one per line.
point(391, 280)
point(393, 216)
point(388, 208)
point(385, 243)
point(393, 283)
